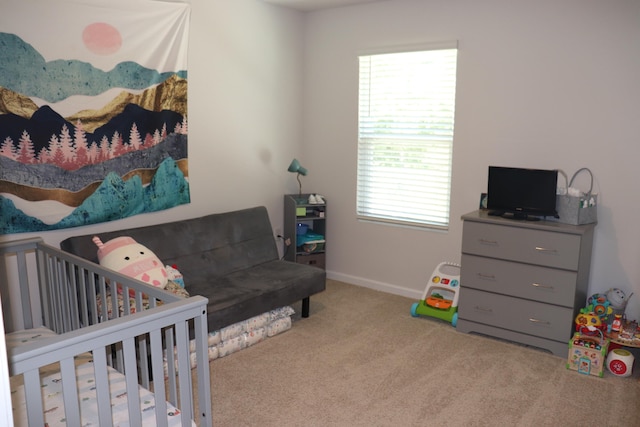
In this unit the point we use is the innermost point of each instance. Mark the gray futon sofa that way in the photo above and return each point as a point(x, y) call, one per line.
point(231, 258)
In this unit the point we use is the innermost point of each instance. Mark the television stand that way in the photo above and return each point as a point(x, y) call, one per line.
point(523, 217)
point(519, 216)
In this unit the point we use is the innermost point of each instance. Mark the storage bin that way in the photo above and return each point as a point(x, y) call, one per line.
point(314, 260)
point(578, 210)
point(313, 246)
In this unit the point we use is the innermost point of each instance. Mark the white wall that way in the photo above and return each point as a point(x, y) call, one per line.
point(540, 84)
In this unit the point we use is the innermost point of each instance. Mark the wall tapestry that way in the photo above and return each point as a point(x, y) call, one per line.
point(93, 111)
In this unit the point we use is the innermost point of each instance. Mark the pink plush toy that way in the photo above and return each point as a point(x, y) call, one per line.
point(126, 256)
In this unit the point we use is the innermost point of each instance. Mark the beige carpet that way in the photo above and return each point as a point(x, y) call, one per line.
point(362, 360)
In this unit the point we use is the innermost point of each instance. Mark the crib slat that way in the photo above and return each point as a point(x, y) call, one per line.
point(144, 361)
point(126, 309)
point(131, 373)
point(102, 387)
point(184, 369)
point(46, 297)
point(142, 347)
point(72, 295)
point(43, 283)
point(118, 358)
point(171, 365)
point(64, 292)
point(33, 398)
point(55, 292)
point(83, 301)
point(54, 295)
point(115, 309)
point(204, 385)
point(70, 392)
point(97, 284)
point(92, 291)
point(159, 390)
point(25, 297)
point(104, 316)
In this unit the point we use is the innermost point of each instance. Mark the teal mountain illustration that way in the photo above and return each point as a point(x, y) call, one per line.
point(114, 199)
point(24, 70)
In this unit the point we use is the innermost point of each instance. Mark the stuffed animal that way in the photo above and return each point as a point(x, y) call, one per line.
point(617, 298)
point(126, 256)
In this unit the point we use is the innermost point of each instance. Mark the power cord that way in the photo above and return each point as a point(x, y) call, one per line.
point(286, 242)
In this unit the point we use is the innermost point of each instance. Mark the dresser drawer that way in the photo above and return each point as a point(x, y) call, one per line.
point(524, 316)
point(532, 282)
point(547, 248)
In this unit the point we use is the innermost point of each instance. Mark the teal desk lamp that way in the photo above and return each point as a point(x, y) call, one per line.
point(296, 167)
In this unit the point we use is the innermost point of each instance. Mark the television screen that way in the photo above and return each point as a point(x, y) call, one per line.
point(523, 193)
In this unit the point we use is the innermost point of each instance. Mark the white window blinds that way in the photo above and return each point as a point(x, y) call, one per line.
point(405, 136)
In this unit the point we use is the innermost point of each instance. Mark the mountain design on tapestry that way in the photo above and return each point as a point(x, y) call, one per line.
point(115, 198)
point(24, 68)
point(124, 155)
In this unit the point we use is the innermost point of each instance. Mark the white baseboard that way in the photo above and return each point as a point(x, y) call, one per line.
point(375, 285)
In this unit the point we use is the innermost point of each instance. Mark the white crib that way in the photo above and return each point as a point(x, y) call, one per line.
point(78, 364)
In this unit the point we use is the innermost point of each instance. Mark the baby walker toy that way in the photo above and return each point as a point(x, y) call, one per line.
point(440, 298)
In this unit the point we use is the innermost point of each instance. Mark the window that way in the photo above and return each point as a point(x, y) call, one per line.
point(405, 136)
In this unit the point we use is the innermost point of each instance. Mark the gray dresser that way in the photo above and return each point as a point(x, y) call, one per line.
point(523, 281)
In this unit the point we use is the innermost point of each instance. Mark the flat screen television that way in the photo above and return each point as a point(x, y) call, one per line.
point(522, 193)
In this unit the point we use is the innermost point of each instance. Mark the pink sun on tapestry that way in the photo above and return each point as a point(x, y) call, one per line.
point(102, 38)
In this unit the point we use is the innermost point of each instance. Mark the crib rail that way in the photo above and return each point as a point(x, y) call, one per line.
point(68, 288)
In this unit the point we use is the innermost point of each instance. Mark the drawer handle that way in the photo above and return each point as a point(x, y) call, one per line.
point(486, 276)
point(488, 242)
point(485, 309)
point(538, 285)
point(545, 250)
point(543, 322)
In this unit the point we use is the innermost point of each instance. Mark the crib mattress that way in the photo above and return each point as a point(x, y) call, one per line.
point(52, 393)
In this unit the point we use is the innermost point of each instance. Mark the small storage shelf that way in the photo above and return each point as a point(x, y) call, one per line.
point(308, 248)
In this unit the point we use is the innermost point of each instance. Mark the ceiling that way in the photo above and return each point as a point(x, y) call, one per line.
point(310, 5)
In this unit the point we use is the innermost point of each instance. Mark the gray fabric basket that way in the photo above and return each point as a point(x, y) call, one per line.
point(578, 210)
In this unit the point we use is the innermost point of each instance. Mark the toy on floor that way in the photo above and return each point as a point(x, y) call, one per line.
point(440, 298)
point(587, 352)
point(618, 298)
point(620, 362)
point(602, 310)
point(588, 320)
